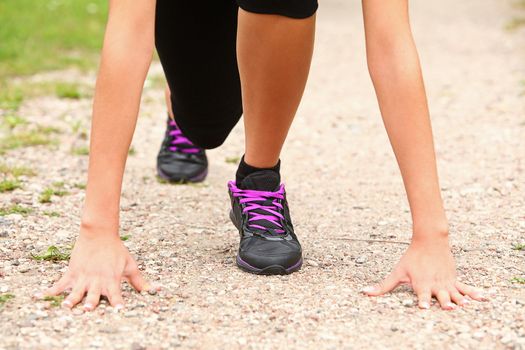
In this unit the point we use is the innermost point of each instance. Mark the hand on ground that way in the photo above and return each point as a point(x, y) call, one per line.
point(429, 267)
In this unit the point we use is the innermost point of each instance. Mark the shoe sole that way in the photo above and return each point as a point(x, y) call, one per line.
point(268, 270)
point(194, 179)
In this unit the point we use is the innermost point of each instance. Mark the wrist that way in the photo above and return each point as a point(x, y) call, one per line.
point(431, 233)
point(96, 224)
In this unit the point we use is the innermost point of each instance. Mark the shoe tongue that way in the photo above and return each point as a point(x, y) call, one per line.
point(264, 180)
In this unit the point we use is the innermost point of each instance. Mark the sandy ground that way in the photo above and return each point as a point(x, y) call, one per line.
point(343, 187)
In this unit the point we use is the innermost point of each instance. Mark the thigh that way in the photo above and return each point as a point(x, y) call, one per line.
point(196, 43)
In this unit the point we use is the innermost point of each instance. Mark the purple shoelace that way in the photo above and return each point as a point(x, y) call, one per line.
point(179, 142)
point(268, 210)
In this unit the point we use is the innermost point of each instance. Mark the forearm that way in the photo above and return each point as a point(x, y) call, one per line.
point(123, 68)
point(396, 74)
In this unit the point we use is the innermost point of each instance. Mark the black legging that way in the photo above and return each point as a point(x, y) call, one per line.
point(196, 43)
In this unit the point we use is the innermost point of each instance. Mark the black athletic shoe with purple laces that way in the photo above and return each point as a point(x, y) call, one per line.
point(260, 212)
point(179, 160)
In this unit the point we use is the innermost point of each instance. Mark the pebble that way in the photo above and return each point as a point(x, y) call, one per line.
point(360, 260)
point(313, 263)
point(408, 303)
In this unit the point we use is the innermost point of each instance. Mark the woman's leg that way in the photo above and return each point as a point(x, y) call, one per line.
point(197, 48)
point(274, 54)
point(179, 159)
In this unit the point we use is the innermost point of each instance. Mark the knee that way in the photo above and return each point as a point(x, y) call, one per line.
point(207, 130)
point(289, 8)
point(205, 137)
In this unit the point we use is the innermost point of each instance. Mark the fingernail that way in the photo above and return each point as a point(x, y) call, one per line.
point(118, 307)
point(88, 306)
point(424, 305)
point(451, 306)
point(466, 301)
point(38, 295)
point(66, 303)
point(368, 289)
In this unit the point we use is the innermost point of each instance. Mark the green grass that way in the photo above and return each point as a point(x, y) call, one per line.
point(25, 139)
point(80, 151)
point(13, 94)
point(16, 171)
point(8, 185)
point(518, 21)
point(519, 280)
point(71, 91)
point(5, 297)
point(52, 253)
point(518, 246)
point(54, 300)
point(80, 186)
point(515, 23)
point(54, 214)
point(47, 130)
point(125, 237)
point(15, 209)
point(12, 121)
point(10, 98)
point(42, 35)
point(232, 160)
point(49, 192)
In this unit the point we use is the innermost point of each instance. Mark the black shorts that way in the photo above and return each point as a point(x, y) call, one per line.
point(196, 43)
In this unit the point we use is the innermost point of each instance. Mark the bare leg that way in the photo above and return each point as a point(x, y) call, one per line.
point(274, 55)
point(167, 95)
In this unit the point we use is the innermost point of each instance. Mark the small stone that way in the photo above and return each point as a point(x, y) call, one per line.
point(478, 335)
point(152, 291)
point(313, 263)
point(360, 260)
point(408, 303)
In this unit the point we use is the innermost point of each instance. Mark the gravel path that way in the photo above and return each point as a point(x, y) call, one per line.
point(181, 234)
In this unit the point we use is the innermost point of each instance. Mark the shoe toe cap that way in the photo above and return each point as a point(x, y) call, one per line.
point(175, 169)
point(260, 253)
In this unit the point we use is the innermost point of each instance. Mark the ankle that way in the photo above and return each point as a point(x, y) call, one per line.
point(246, 169)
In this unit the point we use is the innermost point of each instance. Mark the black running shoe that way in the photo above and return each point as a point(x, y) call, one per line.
point(179, 160)
point(260, 212)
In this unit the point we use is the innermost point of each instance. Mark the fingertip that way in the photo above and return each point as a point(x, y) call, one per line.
point(424, 305)
point(480, 297)
point(449, 306)
point(370, 290)
point(67, 304)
